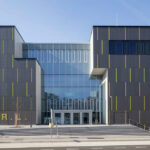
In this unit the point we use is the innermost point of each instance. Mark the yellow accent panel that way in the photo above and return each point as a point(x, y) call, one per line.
point(139, 61)
point(125, 88)
point(12, 30)
point(108, 33)
point(116, 102)
point(26, 88)
point(125, 31)
point(3, 104)
point(139, 89)
point(144, 103)
point(12, 85)
point(139, 116)
point(31, 75)
point(102, 47)
point(17, 75)
point(139, 33)
point(125, 64)
point(108, 61)
point(26, 63)
point(3, 47)
point(130, 74)
point(130, 103)
point(144, 75)
point(97, 60)
point(97, 33)
point(12, 61)
point(109, 88)
point(3, 74)
point(116, 74)
point(111, 103)
point(125, 117)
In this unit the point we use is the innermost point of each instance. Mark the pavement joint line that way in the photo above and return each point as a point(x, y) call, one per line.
point(120, 148)
point(141, 147)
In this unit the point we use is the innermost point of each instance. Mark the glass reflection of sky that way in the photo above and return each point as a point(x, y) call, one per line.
point(65, 69)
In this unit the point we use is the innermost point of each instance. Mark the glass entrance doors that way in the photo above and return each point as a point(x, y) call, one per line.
point(67, 118)
point(76, 118)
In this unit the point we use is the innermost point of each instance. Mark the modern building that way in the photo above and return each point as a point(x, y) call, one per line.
point(105, 81)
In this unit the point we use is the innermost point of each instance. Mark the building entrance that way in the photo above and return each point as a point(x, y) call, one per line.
point(85, 118)
point(58, 118)
point(76, 118)
point(67, 118)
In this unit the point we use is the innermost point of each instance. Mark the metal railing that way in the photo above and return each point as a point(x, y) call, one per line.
point(137, 124)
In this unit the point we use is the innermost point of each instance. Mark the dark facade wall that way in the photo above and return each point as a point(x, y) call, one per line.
point(17, 81)
point(128, 75)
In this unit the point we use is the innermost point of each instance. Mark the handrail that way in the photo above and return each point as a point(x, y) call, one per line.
point(135, 123)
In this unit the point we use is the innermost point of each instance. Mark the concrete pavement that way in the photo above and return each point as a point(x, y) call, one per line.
point(73, 136)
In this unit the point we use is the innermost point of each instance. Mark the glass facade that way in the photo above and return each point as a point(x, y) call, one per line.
point(66, 81)
point(132, 47)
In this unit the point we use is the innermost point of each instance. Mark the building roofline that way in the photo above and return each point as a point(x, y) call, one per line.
point(12, 26)
point(121, 25)
point(28, 59)
point(53, 43)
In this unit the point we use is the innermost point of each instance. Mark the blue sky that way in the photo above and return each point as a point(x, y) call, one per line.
point(70, 20)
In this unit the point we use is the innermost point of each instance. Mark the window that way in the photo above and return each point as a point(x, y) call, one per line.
point(131, 47)
point(66, 56)
point(73, 56)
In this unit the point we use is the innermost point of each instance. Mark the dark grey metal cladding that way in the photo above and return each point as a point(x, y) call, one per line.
point(138, 108)
point(17, 79)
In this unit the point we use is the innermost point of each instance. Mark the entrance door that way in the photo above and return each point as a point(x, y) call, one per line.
point(85, 118)
point(58, 118)
point(76, 118)
point(67, 118)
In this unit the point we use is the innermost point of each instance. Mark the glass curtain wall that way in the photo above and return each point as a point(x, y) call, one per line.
point(67, 84)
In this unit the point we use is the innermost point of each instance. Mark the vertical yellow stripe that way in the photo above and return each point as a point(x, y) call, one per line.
point(125, 30)
point(139, 116)
point(139, 33)
point(12, 30)
point(108, 61)
point(26, 63)
point(17, 75)
point(125, 117)
point(101, 47)
point(144, 75)
point(12, 88)
point(3, 104)
point(144, 126)
point(97, 33)
point(125, 89)
point(12, 61)
point(108, 33)
point(139, 89)
point(139, 61)
point(111, 103)
point(97, 60)
point(144, 103)
point(125, 64)
point(130, 74)
point(130, 103)
point(116, 102)
point(31, 75)
point(17, 108)
point(3, 47)
point(109, 88)
point(116, 74)
point(3, 73)
point(26, 88)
